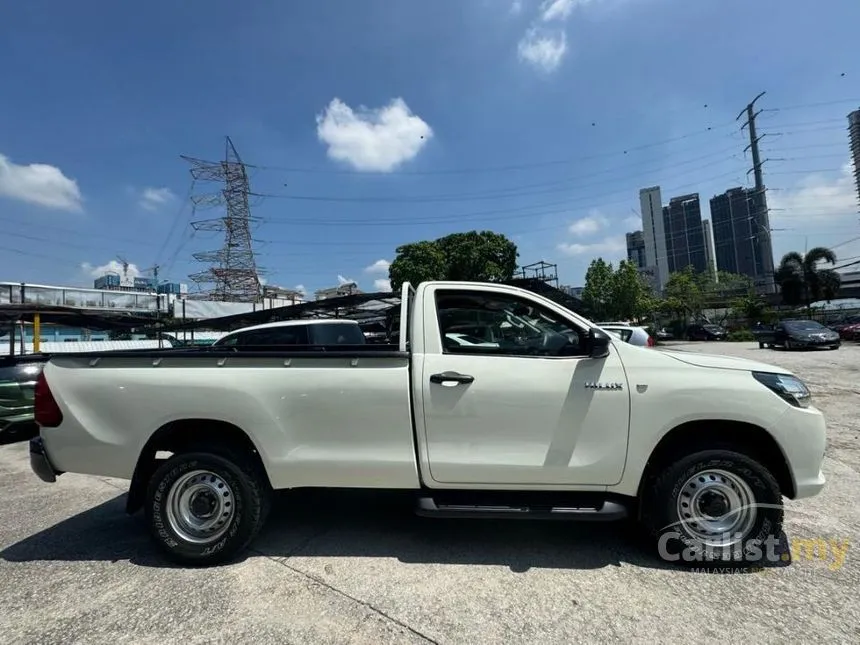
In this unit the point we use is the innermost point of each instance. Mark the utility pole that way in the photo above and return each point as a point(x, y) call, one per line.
point(758, 216)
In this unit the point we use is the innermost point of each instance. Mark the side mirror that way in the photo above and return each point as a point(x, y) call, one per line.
point(598, 343)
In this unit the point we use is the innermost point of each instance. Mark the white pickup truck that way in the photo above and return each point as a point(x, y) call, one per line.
point(554, 419)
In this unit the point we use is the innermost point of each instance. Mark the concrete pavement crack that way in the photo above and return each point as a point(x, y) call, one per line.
point(363, 603)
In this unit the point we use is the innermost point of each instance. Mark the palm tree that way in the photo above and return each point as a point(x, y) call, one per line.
point(802, 281)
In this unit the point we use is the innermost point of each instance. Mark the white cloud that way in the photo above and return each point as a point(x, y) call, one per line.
point(382, 284)
point(816, 197)
point(380, 266)
point(590, 225)
point(301, 289)
point(40, 184)
point(607, 245)
point(342, 281)
point(557, 9)
point(543, 49)
point(372, 140)
point(152, 199)
point(114, 266)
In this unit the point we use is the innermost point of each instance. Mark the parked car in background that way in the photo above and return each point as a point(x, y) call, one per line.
point(705, 331)
point(664, 334)
point(18, 376)
point(849, 332)
point(629, 334)
point(319, 332)
point(848, 321)
point(797, 334)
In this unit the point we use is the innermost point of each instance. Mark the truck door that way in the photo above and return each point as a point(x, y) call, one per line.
point(531, 408)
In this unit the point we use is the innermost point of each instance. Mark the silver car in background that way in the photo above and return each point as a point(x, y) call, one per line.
point(629, 333)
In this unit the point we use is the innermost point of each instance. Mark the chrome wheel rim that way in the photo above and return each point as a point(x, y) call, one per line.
point(716, 508)
point(200, 506)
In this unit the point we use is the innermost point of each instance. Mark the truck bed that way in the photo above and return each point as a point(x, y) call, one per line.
point(310, 428)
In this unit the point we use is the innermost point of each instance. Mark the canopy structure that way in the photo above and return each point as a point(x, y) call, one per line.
point(369, 309)
point(363, 307)
point(72, 317)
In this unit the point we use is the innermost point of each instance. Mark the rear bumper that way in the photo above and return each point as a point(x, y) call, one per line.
point(40, 463)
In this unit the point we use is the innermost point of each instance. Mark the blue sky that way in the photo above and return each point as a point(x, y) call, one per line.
point(372, 123)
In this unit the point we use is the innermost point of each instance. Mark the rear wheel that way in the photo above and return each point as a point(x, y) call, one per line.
point(205, 508)
point(714, 506)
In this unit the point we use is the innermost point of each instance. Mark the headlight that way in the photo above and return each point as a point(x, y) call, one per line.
point(790, 388)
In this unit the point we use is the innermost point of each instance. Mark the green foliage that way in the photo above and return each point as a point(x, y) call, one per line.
point(740, 336)
point(598, 291)
point(630, 295)
point(417, 262)
point(801, 279)
point(684, 293)
point(480, 256)
point(615, 293)
point(751, 306)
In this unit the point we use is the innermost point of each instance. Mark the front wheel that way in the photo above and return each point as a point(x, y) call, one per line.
point(204, 508)
point(714, 506)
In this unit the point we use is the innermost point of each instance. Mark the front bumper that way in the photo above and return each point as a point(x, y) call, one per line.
point(817, 342)
point(803, 435)
point(40, 463)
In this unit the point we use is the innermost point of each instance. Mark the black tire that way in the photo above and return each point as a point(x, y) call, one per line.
point(665, 526)
point(249, 497)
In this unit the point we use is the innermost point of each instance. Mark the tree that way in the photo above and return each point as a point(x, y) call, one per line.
point(417, 262)
point(483, 257)
point(597, 295)
point(683, 293)
point(802, 281)
point(480, 256)
point(629, 293)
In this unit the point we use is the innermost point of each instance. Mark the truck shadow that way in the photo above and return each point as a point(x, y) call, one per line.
point(317, 524)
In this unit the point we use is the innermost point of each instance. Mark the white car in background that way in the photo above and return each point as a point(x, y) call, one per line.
point(629, 334)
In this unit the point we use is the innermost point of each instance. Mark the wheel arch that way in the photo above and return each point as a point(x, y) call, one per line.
point(746, 438)
point(180, 435)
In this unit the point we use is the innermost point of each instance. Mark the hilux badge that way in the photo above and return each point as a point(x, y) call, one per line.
point(591, 385)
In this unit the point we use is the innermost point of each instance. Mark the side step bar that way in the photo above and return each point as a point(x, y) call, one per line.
point(605, 512)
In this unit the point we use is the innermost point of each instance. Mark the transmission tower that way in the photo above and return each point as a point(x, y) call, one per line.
point(233, 275)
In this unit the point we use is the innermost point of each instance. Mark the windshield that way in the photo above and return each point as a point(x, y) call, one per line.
point(805, 325)
point(713, 328)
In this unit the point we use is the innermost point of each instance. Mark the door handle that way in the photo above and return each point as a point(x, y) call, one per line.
point(451, 377)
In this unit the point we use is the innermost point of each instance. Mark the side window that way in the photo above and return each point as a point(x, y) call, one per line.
point(276, 337)
point(482, 322)
point(228, 342)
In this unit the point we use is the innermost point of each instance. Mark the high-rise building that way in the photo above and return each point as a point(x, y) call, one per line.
point(685, 238)
point(710, 254)
point(636, 249)
point(854, 135)
point(654, 235)
point(742, 236)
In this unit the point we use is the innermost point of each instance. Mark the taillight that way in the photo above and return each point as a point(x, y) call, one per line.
point(46, 411)
point(650, 341)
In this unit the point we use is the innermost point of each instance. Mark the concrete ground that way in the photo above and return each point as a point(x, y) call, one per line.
point(76, 569)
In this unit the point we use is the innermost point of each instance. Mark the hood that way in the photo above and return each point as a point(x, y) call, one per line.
point(724, 362)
